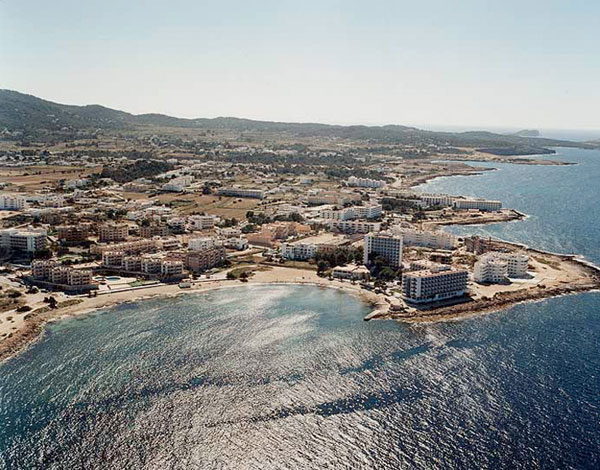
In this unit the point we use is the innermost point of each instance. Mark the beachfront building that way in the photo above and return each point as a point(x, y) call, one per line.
point(495, 267)
point(431, 286)
point(198, 261)
point(435, 200)
point(51, 271)
point(242, 192)
point(112, 232)
point(425, 238)
point(477, 203)
point(354, 226)
point(383, 245)
point(351, 271)
point(365, 182)
point(29, 239)
point(12, 202)
point(298, 251)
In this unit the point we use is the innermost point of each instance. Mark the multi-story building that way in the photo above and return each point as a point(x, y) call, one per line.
point(414, 237)
point(427, 265)
point(202, 222)
point(133, 247)
point(51, 271)
point(481, 204)
point(112, 259)
point(365, 182)
point(236, 243)
point(178, 184)
point(154, 230)
point(70, 234)
point(354, 226)
point(151, 264)
point(132, 263)
point(171, 268)
point(112, 232)
point(242, 192)
point(435, 200)
point(28, 240)
point(384, 245)
point(298, 251)
point(198, 261)
point(12, 202)
point(201, 243)
point(496, 266)
point(428, 286)
point(357, 212)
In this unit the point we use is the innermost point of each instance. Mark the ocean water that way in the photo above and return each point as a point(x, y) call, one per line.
point(291, 377)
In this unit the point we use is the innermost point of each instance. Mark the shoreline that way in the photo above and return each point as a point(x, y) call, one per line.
point(33, 326)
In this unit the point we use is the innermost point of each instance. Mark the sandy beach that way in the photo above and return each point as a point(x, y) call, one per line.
point(24, 328)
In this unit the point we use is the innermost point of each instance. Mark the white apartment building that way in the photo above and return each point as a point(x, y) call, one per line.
point(178, 184)
point(201, 243)
point(384, 245)
point(338, 214)
point(372, 211)
point(427, 286)
point(435, 200)
point(202, 222)
point(235, 243)
point(12, 202)
point(495, 266)
point(365, 182)
point(242, 192)
point(171, 268)
point(298, 251)
point(354, 226)
point(24, 239)
point(415, 237)
point(480, 204)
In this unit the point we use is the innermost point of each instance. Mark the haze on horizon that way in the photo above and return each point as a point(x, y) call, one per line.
point(531, 64)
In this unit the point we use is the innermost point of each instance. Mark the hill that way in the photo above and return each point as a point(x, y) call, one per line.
point(27, 115)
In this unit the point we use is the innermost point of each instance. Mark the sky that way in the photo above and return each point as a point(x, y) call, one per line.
point(466, 63)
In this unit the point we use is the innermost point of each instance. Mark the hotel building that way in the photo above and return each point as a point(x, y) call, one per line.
point(384, 245)
point(428, 286)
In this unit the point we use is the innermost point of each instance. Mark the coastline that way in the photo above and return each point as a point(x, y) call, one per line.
point(33, 325)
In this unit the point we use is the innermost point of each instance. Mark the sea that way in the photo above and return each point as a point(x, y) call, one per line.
point(291, 377)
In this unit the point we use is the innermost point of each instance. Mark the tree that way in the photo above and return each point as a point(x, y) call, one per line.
point(322, 266)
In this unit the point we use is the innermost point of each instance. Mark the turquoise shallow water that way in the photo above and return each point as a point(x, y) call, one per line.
point(292, 377)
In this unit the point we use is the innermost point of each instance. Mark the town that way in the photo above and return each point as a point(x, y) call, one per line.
point(86, 223)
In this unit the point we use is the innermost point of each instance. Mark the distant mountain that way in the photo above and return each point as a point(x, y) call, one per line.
point(527, 133)
point(36, 117)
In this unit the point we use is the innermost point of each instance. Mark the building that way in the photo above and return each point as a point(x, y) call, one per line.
point(365, 182)
point(202, 222)
point(383, 245)
point(437, 240)
point(496, 267)
point(298, 251)
point(357, 212)
point(428, 286)
point(236, 243)
point(112, 232)
point(354, 226)
point(201, 243)
point(133, 247)
point(151, 264)
point(480, 204)
point(12, 202)
point(171, 268)
point(351, 271)
point(29, 240)
point(435, 200)
point(154, 230)
point(178, 184)
point(51, 271)
point(198, 261)
point(242, 192)
point(427, 265)
point(72, 234)
point(112, 259)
